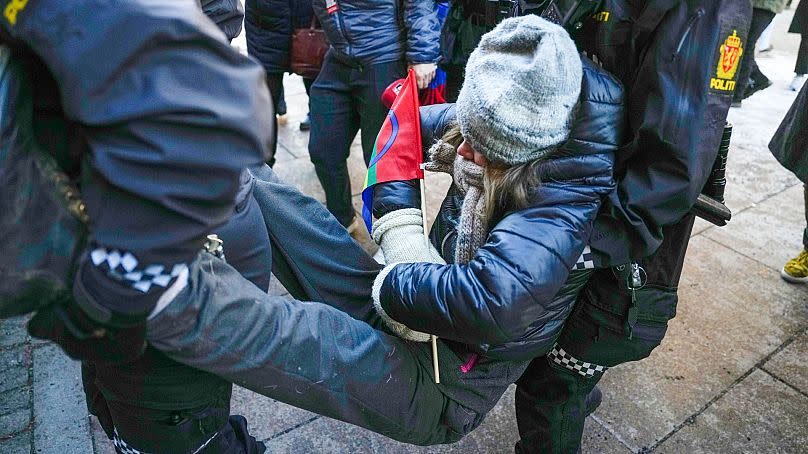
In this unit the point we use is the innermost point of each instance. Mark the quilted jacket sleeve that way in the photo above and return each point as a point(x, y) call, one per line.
point(423, 31)
point(512, 282)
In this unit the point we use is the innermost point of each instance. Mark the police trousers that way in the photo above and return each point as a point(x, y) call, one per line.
point(610, 324)
point(157, 405)
point(325, 350)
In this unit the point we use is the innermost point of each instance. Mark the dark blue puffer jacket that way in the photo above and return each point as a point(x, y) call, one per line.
point(378, 31)
point(269, 25)
point(518, 290)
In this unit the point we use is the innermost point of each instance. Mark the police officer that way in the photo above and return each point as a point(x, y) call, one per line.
point(161, 117)
point(678, 61)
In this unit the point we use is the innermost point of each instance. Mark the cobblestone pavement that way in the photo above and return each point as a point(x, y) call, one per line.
point(730, 376)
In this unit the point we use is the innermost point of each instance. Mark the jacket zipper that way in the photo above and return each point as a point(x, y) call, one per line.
point(341, 28)
point(690, 23)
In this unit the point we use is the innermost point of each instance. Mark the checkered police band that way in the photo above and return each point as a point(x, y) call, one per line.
point(585, 261)
point(564, 359)
point(125, 267)
point(122, 447)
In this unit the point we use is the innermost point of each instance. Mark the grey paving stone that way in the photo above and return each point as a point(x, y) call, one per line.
point(18, 444)
point(15, 399)
point(760, 414)
point(497, 433)
point(14, 422)
point(102, 444)
point(11, 357)
point(13, 378)
point(732, 312)
point(12, 331)
point(265, 417)
point(790, 364)
point(60, 413)
point(751, 232)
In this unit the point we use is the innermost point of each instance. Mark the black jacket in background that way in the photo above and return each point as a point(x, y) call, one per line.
point(790, 143)
point(269, 25)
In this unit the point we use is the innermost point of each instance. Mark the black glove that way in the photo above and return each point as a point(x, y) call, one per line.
point(85, 339)
point(73, 322)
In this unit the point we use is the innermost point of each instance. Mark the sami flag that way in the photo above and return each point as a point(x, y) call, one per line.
point(397, 153)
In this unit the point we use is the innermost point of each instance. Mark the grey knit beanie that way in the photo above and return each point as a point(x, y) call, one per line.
point(521, 87)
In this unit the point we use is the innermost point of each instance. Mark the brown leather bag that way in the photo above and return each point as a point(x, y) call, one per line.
point(309, 46)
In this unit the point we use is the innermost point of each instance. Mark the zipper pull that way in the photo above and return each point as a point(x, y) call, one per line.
point(636, 283)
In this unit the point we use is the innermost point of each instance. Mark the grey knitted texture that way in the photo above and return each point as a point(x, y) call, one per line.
point(521, 88)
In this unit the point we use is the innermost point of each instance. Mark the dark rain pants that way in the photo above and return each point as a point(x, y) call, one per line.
point(607, 327)
point(157, 405)
point(330, 358)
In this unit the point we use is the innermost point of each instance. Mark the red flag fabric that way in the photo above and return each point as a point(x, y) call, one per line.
point(397, 153)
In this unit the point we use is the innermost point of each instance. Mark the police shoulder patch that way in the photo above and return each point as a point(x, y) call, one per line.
point(729, 56)
point(12, 8)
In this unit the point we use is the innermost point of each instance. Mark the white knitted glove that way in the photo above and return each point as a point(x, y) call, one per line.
point(399, 329)
point(400, 235)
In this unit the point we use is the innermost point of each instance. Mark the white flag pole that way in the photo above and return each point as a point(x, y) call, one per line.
point(432, 338)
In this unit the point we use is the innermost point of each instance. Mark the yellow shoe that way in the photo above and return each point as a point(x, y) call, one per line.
point(796, 269)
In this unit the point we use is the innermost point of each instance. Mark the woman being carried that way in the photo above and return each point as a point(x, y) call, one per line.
point(542, 129)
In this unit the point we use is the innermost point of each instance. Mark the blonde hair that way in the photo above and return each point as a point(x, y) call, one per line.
point(505, 188)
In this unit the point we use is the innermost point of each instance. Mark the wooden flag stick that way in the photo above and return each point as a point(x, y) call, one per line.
point(432, 338)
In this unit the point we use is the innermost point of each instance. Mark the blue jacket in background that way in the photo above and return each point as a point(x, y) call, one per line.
point(379, 31)
point(269, 25)
point(516, 293)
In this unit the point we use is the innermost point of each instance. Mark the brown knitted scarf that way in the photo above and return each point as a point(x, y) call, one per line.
point(468, 177)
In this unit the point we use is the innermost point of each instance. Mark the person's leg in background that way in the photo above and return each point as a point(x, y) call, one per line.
point(796, 269)
point(454, 80)
point(275, 85)
point(334, 123)
point(305, 125)
point(801, 68)
point(369, 82)
point(750, 79)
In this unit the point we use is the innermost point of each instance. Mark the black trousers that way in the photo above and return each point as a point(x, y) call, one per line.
point(802, 56)
point(157, 405)
point(275, 85)
point(607, 327)
point(761, 19)
point(345, 98)
point(805, 232)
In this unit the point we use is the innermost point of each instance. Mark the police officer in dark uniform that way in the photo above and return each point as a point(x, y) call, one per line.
point(154, 117)
point(678, 61)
